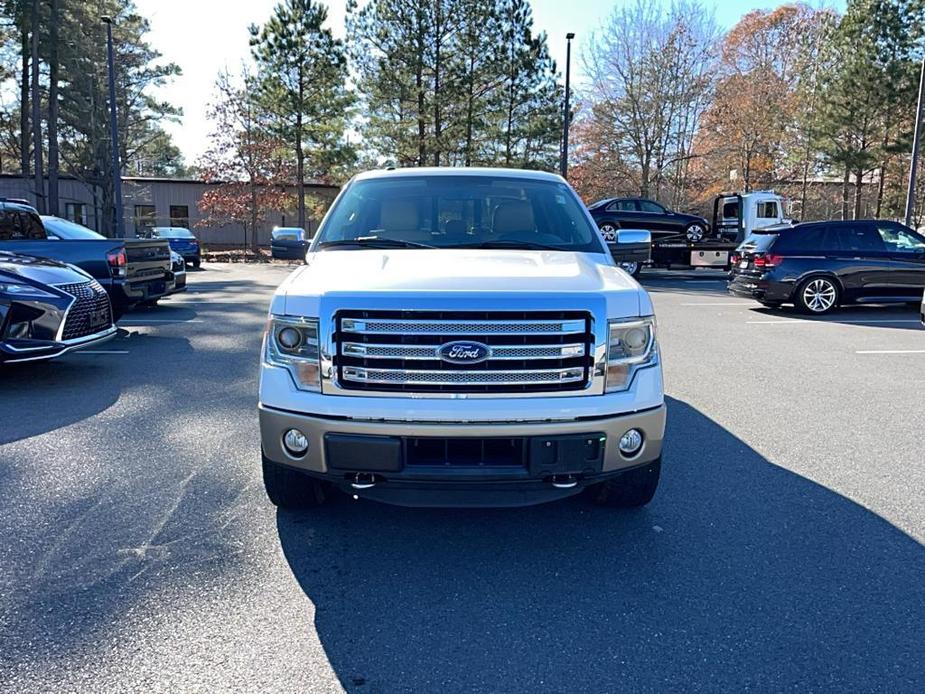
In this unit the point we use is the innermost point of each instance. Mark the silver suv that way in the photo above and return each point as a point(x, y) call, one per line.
point(460, 337)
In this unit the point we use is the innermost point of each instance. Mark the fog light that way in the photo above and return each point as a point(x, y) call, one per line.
point(295, 442)
point(631, 443)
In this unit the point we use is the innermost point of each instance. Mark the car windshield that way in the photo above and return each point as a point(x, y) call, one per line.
point(464, 211)
point(284, 234)
point(67, 230)
point(173, 233)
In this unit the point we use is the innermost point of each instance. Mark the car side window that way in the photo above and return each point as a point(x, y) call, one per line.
point(767, 210)
point(860, 238)
point(622, 206)
point(32, 226)
point(799, 240)
point(10, 227)
point(16, 226)
point(649, 206)
point(899, 240)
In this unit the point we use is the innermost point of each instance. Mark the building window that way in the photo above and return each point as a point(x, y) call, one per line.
point(145, 218)
point(76, 212)
point(179, 216)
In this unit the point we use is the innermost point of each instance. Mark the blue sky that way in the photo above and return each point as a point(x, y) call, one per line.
point(205, 36)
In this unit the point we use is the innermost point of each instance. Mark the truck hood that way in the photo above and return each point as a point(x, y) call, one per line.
point(448, 276)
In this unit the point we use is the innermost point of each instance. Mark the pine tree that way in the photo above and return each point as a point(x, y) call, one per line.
point(303, 75)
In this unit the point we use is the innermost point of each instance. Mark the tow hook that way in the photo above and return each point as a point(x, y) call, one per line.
point(363, 480)
point(564, 481)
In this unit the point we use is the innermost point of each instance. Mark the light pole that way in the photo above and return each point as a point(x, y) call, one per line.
point(119, 231)
point(916, 145)
point(563, 164)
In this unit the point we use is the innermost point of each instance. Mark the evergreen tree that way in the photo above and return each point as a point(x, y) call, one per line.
point(869, 92)
point(454, 83)
point(303, 73)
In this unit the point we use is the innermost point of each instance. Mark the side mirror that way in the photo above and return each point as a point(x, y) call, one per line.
point(632, 246)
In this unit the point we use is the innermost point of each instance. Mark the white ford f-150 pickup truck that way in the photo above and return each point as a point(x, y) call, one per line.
point(460, 337)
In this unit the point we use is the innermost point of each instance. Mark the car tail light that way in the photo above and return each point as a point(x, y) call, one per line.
point(768, 260)
point(734, 259)
point(117, 261)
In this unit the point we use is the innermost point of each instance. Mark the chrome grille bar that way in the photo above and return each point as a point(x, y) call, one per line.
point(467, 327)
point(464, 378)
point(429, 352)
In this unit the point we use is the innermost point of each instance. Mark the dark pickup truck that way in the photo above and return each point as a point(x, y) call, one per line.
point(132, 272)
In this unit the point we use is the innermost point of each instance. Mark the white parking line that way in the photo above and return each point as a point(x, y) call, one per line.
point(890, 351)
point(146, 321)
point(721, 303)
point(861, 321)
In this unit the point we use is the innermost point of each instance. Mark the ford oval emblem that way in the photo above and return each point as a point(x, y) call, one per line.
point(464, 352)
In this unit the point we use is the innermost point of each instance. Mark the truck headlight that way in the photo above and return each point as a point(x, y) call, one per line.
point(630, 346)
point(292, 343)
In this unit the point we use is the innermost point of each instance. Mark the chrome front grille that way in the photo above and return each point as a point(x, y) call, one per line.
point(536, 351)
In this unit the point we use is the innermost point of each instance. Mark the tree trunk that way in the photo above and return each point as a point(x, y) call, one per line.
point(880, 185)
point(254, 219)
point(858, 187)
point(53, 203)
point(419, 83)
point(37, 113)
point(846, 179)
point(804, 188)
point(469, 106)
point(299, 156)
point(24, 131)
point(438, 28)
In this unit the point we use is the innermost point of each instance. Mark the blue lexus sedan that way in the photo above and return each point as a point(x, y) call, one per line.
point(182, 241)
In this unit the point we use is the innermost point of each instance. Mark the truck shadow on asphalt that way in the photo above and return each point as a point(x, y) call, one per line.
point(740, 574)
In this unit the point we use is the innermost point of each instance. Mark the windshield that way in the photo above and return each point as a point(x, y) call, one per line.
point(173, 233)
point(287, 234)
point(67, 230)
point(465, 211)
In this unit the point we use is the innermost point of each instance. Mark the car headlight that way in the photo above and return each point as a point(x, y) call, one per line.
point(631, 345)
point(292, 343)
point(24, 290)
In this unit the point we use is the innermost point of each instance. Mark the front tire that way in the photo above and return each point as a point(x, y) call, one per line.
point(196, 263)
point(631, 269)
point(632, 489)
point(290, 489)
point(817, 296)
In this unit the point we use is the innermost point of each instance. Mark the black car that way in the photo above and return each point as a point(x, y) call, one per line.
point(674, 235)
point(48, 308)
point(639, 213)
point(289, 243)
point(817, 266)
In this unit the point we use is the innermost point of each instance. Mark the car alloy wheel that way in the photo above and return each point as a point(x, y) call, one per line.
point(695, 232)
point(819, 295)
point(630, 268)
point(609, 232)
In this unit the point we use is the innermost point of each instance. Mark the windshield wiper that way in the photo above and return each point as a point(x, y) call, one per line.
point(372, 242)
point(525, 245)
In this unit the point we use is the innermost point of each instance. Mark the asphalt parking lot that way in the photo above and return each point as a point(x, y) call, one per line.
point(782, 552)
